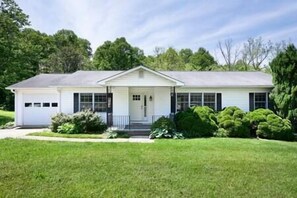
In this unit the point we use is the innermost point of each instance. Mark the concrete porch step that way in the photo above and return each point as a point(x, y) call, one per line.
point(138, 133)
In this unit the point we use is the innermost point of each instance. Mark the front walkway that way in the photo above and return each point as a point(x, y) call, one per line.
point(21, 134)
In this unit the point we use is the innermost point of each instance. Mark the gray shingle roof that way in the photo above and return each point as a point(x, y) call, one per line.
point(40, 81)
point(190, 79)
point(222, 79)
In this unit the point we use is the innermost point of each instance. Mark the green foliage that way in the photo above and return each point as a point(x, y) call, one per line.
point(232, 122)
point(164, 128)
point(85, 122)
point(58, 120)
point(71, 53)
point(88, 122)
point(201, 60)
point(284, 94)
point(164, 123)
point(117, 55)
point(270, 126)
point(8, 125)
point(196, 122)
point(67, 128)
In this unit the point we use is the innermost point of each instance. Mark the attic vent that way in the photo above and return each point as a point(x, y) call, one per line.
point(140, 73)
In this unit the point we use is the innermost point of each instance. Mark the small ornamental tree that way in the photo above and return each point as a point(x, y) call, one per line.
point(284, 94)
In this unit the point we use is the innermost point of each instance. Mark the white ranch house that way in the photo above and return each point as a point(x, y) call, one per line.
point(138, 95)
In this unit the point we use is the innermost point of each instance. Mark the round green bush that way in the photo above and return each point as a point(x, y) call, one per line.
point(234, 122)
point(88, 122)
point(196, 122)
point(58, 120)
point(270, 126)
point(163, 123)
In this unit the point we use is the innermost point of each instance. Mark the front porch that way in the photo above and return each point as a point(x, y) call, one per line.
point(124, 123)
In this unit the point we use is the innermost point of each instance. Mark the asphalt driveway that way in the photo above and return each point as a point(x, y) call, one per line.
point(17, 132)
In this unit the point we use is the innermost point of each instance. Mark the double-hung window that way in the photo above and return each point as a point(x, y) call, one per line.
point(86, 101)
point(260, 100)
point(210, 100)
point(182, 101)
point(100, 102)
point(195, 99)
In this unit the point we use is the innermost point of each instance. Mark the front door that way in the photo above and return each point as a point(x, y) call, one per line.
point(138, 107)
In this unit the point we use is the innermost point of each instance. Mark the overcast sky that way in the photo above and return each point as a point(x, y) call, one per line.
point(166, 23)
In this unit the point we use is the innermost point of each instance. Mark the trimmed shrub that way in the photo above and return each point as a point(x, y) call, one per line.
point(232, 122)
point(88, 122)
point(270, 126)
point(163, 123)
point(58, 120)
point(196, 122)
point(84, 122)
point(67, 128)
point(164, 128)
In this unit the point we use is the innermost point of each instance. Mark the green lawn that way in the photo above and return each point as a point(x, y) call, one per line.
point(6, 116)
point(211, 167)
point(52, 134)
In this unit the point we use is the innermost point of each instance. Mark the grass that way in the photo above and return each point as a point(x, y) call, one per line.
point(212, 167)
point(6, 116)
point(52, 134)
point(120, 134)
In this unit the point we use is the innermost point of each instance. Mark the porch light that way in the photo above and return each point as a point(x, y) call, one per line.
point(151, 98)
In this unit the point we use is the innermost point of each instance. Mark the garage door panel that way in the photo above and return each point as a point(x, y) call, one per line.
point(38, 108)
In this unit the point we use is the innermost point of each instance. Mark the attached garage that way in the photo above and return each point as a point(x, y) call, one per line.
point(38, 108)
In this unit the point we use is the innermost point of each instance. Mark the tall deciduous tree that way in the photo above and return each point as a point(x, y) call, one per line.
point(71, 53)
point(255, 51)
point(229, 52)
point(117, 55)
point(12, 21)
point(284, 94)
point(201, 60)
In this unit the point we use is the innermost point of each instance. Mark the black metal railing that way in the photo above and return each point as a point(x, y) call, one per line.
point(124, 122)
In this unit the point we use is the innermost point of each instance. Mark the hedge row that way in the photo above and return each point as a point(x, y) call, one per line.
point(230, 122)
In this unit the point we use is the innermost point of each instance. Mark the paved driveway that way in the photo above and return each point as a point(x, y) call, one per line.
point(14, 133)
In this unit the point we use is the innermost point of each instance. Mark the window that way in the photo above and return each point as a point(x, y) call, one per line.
point(100, 102)
point(86, 101)
point(54, 104)
point(46, 104)
point(185, 100)
point(196, 99)
point(28, 104)
point(37, 104)
point(182, 101)
point(260, 100)
point(136, 97)
point(210, 100)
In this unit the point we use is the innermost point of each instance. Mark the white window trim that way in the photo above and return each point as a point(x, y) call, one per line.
point(266, 99)
point(202, 102)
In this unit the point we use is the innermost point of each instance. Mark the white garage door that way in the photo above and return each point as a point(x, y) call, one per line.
point(38, 108)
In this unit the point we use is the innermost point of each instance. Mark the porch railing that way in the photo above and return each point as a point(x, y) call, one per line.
point(124, 122)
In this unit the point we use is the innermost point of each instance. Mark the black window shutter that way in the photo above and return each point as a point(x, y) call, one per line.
point(173, 103)
point(75, 102)
point(219, 101)
point(252, 102)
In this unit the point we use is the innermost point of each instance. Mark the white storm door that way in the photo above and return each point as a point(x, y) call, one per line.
point(136, 104)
